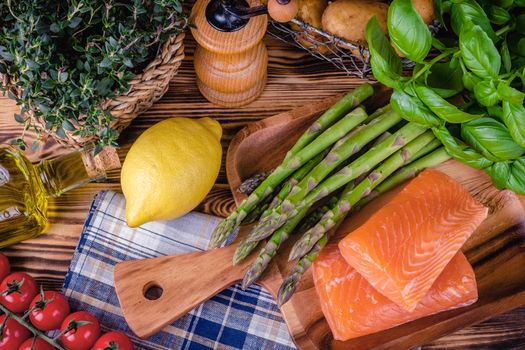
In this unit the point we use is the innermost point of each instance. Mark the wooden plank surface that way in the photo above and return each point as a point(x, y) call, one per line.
point(294, 79)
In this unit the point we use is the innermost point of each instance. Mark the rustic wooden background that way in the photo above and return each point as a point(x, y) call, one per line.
point(294, 79)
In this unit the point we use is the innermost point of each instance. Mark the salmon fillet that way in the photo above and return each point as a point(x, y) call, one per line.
point(353, 308)
point(403, 248)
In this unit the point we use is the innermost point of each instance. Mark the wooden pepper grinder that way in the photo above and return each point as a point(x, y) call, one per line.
point(231, 60)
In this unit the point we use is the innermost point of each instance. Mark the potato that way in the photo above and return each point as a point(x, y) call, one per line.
point(347, 19)
point(311, 11)
point(425, 8)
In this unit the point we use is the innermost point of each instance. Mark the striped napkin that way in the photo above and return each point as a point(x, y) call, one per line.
point(233, 319)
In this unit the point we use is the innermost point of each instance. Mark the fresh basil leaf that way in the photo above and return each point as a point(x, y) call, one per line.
point(499, 173)
point(521, 47)
point(504, 3)
point(495, 111)
point(408, 32)
point(492, 139)
point(442, 108)
point(470, 81)
point(438, 44)
point(505, 56)
point(447, 81)
point(412, 109)
point(460, 152)
point(486, 93)
point(498, 15)
point(516, 181)
point(469, 12)
point(479, 53)
point(514, 118)
point(386, 65)
point(510, 94)
point(509, 175)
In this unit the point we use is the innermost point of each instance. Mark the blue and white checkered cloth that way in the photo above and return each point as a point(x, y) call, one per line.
point(233, 319)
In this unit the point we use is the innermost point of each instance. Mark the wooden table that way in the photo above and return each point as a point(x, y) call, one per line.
point(294, 79)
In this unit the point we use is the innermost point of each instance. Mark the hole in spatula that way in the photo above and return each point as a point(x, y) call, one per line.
point(152, 291)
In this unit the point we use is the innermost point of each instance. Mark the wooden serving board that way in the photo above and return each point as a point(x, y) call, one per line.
point(496, 250)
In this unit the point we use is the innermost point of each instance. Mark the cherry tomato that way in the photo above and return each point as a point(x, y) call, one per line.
point(5, 267)
point(49, 310)
point(113, 341)
point(40, 344)
point(76, 334)
point(13, 335)
point(18, 295)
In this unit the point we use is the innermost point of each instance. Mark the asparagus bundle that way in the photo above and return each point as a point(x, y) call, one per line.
point(304, 262)
point(246, 246)
point(327, 130)
point(292, 205)
point(349, 198)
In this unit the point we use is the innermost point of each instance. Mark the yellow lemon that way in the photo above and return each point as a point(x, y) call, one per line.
point(170, 168)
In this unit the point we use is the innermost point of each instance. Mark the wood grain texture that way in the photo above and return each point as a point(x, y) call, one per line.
point(230, 66)
point(294, 79)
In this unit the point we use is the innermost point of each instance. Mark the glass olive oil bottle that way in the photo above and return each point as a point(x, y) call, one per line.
point(25, 188)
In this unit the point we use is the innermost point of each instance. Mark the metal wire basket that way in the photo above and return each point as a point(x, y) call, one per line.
point(346, 56)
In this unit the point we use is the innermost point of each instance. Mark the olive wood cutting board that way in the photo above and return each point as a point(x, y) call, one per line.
point(496, 250)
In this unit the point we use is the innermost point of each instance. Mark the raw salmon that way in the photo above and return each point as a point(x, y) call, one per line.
point(403, 248)
point(353, 308)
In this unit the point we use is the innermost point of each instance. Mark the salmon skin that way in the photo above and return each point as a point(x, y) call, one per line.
point(353, 307)
point(403, 248)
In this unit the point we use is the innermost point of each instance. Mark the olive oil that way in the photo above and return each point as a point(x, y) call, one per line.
point(25, 188)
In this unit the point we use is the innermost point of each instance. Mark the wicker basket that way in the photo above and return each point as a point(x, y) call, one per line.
point(144, 90)
point(346, 56)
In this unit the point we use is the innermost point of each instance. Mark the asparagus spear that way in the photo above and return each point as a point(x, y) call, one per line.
point(292, 280)
point(343, 106)
point(410, 171)
point(352, 196)
point(363, 164)
point(294, 179)
point(342, 150)
point(270, 249)
point(303, 264)
point(227, 226)
point(245, 247)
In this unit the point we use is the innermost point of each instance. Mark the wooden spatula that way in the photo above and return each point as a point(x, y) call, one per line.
point(182, 281)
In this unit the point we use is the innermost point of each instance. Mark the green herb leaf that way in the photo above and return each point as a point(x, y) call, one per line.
point(492, 139)
point(447, 81)
point(509, 175)
point(470, 81)
point(479, 53)
point(460, 152)
point(514, 118)
point(468, 12)
point(412, 109)
point(510, 94)
point(486, 93)
point(505, 56)
point(408, 32)
point(75, 21)
point(386, 65)
point(498, 15)
point(442, 108)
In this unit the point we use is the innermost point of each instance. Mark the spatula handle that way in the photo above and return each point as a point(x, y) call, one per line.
point(185, 281)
